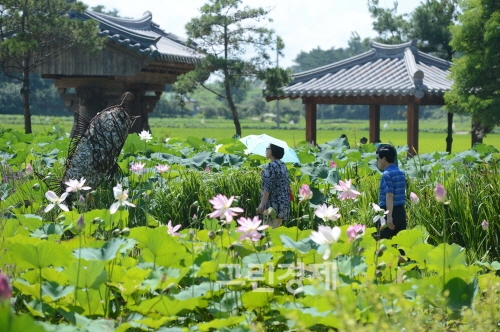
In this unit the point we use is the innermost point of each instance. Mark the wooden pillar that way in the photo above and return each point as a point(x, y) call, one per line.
point(311, 111)
point(449, 138)
point(412, 125)
point(374, 123)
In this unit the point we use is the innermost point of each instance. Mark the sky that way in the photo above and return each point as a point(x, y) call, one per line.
point(302, 24)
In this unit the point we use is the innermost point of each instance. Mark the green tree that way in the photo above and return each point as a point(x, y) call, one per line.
point(475, 74)
point(318, 57)
point(33, 32)
point(429, 23)
point(235, 47)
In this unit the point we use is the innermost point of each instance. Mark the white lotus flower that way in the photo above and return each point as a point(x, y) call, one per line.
point(56, 200)
point(121, 198)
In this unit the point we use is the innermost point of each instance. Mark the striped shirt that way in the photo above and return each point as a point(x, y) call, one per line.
point(393, 181)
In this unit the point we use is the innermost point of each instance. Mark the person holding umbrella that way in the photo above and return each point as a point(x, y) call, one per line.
point(275, 186)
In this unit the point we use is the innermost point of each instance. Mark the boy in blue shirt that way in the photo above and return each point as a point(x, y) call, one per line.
point(392, 192)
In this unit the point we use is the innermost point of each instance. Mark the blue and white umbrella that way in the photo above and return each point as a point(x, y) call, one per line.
point(257, 144)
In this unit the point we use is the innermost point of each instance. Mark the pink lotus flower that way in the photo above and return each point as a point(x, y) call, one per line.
point(355, 231)
point(327, 212)
point(414, 198)
point(56, 201)
point(333, 164)
point(346, 191)
point(29, 169)
point(138, 167)
point(250, 228)
point(440, 193)
point(173, 229)
point(305, 192)
point(75, 185)
point(5, 288)
point(223, 209)
point(484, 224)
point(162, 168)
point(207, 169)
point(324, 236)
point(380, 215)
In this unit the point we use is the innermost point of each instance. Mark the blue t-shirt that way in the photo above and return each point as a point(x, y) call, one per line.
point(393, 181)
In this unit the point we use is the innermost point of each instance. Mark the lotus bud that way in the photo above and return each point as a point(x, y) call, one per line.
point(125, 231)
point(378, 273)
point(27, 203)
point(360, 250)
point(195, 204)
point(383, 247)
point(379, 252)
point(353, 212)
point(211, 235)
point(218, 232)
point(116, 233)
point(93, 193)
point(36, 187)
point(80, 224)
point(5, 288)
point(81, 200)
point(29, 169)
point(44, 237)
point(305, 217)
point(62, 217)
point(98, 221)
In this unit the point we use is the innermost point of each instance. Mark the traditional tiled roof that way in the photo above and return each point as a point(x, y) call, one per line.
point(397, 70)
point(142, 36)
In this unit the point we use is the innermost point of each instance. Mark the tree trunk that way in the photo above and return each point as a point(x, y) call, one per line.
point(449, 138)
point(230, 101)
point(25, 92)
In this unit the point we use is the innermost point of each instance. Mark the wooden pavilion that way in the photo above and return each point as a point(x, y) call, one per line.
point(385, 75)
point(138, 57)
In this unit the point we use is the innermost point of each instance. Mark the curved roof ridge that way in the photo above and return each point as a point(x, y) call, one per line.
point(349, 62)
point(142, 36)
point(143, 23)
point(389, 49)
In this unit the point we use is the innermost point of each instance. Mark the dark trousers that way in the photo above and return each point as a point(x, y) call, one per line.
point(399, 220)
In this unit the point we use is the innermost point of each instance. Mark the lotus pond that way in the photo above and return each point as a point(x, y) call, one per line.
point(163, 247)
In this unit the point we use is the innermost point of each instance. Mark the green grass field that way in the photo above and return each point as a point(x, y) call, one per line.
point(432, 136)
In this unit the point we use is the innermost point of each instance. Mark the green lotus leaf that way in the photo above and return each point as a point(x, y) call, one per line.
point(255, 300)
point(257, 258)
point(409, 238)
point(220, 323)
point(205, 290)
point(10, 322)
point(41, 255)
point(446, 256)
point(107, 252)
point(303, 246)
point(92, 274)
point(156, 240)
point(56, 291)
point(164, 305)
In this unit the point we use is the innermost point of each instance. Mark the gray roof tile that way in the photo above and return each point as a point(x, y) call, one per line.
point(396, 70)
point(142, 36)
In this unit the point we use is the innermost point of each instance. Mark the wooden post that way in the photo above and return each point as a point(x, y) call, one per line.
point(311, 111)
point(412, 125)
point(449, 138)
point(374, 123)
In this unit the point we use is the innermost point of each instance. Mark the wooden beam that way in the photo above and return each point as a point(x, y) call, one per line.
point(412, 131)
point(370, 100)
point(374, 123)
point(311, 115)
